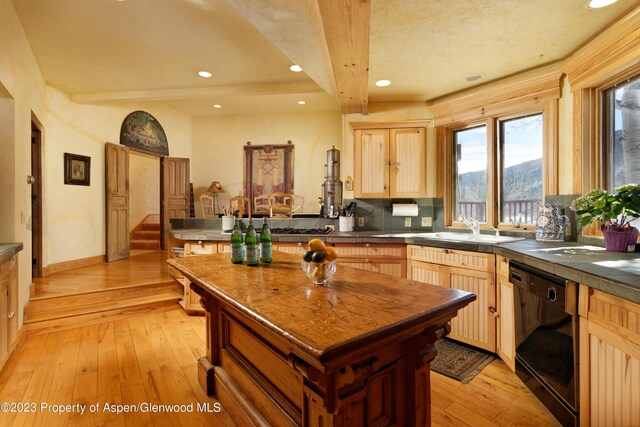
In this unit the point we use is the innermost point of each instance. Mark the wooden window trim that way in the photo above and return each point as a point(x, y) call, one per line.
point(611, 57)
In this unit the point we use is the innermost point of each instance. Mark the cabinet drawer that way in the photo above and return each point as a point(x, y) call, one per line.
point(200, 248)
point(364, 250)
point(290, 248)
point(7, 265)
point(392, 266)
point(453, 257)
point(502, 266)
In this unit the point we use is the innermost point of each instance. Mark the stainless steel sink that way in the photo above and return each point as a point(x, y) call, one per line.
point(455, 237)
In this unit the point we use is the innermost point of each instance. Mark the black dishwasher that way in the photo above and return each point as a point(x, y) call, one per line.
point(546, 330)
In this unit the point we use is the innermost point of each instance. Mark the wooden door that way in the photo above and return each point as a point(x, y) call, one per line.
point(117, 203)
point(372, 163)
point(174, 187)
point(36, 200)
point(408, 171)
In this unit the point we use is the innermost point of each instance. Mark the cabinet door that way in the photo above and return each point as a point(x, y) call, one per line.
point(290, 248)
point(371, 163)
point(475, 324)
point(408, 172)
point(200, 248)
point(4, 320)
point(506, 341)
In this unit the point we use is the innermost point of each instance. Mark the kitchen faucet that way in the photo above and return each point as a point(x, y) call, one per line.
point(472, 223)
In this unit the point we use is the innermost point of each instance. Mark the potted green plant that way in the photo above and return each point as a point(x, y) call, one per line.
point(615, 212)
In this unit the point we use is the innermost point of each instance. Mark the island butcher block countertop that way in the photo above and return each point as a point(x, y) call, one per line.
point(354, 308)
point(283, 351)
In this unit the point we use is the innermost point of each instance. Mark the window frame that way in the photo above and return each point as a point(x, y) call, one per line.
point(494, 163)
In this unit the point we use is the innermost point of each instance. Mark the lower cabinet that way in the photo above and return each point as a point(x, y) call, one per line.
point(380, 258)
point(8, 307)
point(505, 326)
point(476, 323)
point(609, 360)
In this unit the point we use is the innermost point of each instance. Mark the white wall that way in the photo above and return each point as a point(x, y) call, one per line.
point(219, 154)
point(75, 215)
point(144, 176)
point(22, 83)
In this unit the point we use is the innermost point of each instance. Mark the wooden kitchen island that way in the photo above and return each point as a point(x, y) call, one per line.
point(283, 351)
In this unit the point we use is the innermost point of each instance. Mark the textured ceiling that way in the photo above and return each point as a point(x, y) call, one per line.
point(108, 50)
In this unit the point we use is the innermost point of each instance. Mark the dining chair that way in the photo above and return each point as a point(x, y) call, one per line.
point(280, 204)
point(240, 204)
point(207, 206)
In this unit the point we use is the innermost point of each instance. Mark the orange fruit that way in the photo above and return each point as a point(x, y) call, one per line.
point(330, 253)
point(316, 245)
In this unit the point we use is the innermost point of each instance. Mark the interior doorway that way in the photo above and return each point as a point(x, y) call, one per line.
point(36, 198)
point(144, 213)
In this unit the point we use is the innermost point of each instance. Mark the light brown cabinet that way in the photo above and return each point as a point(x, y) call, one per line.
point(380, 258)
point(466, 271)
point(505, 299)
point(390, 163)
point(8, 307)
point(609, 359)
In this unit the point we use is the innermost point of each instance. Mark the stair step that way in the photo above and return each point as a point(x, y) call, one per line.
point(144, 244)
point(38, 305)
point(150, 226)
point(146, 235)
point(103, 313)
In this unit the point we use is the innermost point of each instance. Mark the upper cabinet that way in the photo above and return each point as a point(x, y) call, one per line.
point(390, 163)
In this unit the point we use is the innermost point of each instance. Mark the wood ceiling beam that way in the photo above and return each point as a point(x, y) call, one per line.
point(347, 26)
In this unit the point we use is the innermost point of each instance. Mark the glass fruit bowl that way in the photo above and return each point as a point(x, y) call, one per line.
point(319, 272)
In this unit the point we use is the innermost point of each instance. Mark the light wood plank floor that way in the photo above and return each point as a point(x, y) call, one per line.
point(152, 358)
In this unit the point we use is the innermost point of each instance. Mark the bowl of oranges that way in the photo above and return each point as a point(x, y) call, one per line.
point(319, 261)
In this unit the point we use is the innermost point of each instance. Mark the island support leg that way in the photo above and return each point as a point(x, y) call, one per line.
point(206, 365)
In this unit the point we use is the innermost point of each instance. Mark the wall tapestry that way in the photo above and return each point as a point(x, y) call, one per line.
point(142, 131)
point(268, 169)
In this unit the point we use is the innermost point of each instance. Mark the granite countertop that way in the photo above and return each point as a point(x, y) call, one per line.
point(9, 249)
point(617, 273)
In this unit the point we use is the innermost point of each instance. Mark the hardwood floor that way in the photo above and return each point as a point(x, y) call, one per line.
point(151, 358)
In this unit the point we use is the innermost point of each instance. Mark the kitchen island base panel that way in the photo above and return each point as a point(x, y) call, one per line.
point(388, 386)
point(354, 353)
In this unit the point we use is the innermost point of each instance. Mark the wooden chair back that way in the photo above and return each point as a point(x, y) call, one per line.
point(261, 204)
point(206, 206)
point(241, 204)
point(280, 204)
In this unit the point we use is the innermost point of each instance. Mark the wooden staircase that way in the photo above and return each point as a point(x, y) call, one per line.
point(146, 235)
point(103, 292)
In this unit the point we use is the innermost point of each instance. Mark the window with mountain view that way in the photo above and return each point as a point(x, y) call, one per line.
point(471, 173)
point(521, 142)
point(622, 134)
point(621, 148)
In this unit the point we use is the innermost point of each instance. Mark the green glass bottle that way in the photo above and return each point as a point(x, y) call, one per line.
point(251, 245)
point(266, 250)
point(237, 245)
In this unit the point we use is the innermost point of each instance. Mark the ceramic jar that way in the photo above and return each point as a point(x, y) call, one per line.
point(551, 223)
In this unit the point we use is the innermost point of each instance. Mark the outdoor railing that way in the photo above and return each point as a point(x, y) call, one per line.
point(518, 211)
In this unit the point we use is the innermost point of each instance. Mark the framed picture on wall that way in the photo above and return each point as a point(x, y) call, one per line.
point(268, 169)
point(77, 169)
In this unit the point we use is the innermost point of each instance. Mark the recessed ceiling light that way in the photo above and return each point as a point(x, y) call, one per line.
point(383, 83)
point(217, 106)
point(301, 102)
point(295, 68)
point(597, 4)
point(204, 74)
point(473, 77)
